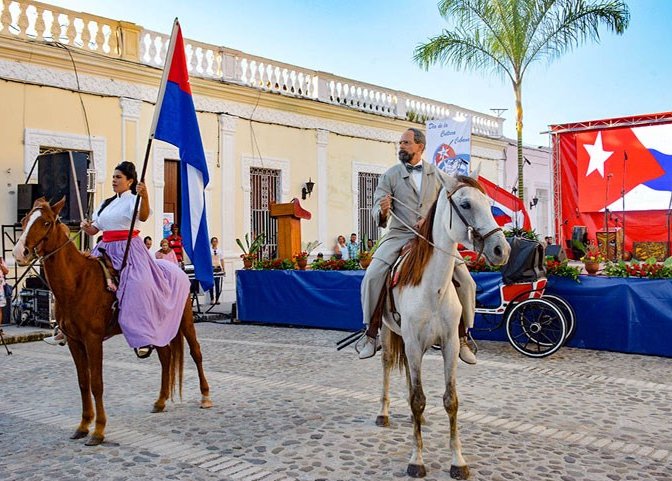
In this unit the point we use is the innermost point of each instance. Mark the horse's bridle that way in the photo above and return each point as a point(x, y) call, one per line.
point(52, 225)
point(474, 233)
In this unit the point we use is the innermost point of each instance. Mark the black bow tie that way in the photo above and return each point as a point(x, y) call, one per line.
point(414, 168)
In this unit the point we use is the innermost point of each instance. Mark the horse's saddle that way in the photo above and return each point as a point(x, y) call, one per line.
point(110, 273)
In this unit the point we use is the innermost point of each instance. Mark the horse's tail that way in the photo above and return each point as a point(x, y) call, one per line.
point(395, 350)
point(176, 363)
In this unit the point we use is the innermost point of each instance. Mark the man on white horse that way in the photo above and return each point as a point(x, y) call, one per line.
point(409, 189)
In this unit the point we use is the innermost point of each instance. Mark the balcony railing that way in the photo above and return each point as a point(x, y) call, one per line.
point(29, 20)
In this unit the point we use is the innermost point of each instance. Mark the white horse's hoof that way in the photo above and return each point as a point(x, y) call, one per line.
point(418, 471)
point(383, 421)
point(459, 472)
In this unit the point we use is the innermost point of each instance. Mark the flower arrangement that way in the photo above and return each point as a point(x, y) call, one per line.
point(649, 269)
point(248, 257)
point(335, 265)
point(520, 232)
point(275, 264)
point(301, 256)
point(592, 255)
point(477, 264)
point(561, 269)
point(366, 256)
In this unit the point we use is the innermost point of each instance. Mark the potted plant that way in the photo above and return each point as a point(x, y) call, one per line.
point(591, 259)
point(250, 250)
point(366, 256)
point(301, 258)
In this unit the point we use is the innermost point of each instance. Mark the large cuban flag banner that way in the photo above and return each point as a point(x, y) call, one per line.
point(177, 124)
point(449, 144)
point(625, 167)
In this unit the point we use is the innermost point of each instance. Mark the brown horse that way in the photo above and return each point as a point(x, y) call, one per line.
point(84, 312)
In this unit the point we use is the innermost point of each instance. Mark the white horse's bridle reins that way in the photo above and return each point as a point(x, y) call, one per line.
point(474, 233)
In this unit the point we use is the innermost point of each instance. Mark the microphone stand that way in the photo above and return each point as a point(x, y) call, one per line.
point(669, 213)
point(606, 218)
point(625, 158)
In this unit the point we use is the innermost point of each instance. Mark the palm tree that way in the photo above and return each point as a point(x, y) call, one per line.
point(506, 36)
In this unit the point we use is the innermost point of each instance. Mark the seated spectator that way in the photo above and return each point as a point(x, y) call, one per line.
point(166, 253)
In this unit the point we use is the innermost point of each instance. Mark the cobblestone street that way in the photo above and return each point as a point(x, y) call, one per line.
point(289, 406)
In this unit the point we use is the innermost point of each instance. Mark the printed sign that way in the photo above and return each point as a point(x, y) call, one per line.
point(449, 144)
point(168, 219)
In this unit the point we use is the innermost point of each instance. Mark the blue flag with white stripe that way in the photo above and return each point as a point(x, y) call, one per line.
point(177, 125)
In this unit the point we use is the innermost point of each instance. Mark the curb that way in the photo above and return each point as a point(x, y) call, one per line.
point(21, 338)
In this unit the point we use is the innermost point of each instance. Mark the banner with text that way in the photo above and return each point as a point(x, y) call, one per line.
point(449, 144)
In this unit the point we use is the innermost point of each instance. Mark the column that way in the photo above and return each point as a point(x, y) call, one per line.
point(227, 159)
point(322, 183)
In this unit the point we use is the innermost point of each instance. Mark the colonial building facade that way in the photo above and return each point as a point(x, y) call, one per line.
point(74, 81)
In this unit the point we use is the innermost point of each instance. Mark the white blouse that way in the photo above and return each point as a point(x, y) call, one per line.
point(117, 215)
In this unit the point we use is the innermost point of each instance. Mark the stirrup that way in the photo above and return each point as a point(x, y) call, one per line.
point(143, 352)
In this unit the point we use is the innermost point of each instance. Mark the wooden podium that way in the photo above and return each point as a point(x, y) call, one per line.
point(610, 243)
point(289, 217)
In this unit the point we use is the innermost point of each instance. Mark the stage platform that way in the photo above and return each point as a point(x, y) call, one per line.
point(614, 314)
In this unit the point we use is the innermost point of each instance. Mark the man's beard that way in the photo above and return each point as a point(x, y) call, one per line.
point(405, 156)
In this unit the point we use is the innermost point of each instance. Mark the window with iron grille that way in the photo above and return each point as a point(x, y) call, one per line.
point(265, 186)
point(367, 228)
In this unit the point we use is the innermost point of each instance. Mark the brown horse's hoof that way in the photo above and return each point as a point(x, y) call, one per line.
point(95, 440)
point(206, 403)
point(459, 472)
point(417, 470)
point(79, 434)
point(383, 421)
point(158, 409)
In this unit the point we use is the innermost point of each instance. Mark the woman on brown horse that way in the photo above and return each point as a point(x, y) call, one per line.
point(84, 305)
point(151, 293)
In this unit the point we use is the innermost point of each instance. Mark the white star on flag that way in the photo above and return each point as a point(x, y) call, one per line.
point(598, 156)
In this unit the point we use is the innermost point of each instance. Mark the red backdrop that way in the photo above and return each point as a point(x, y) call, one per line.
point(639, 225)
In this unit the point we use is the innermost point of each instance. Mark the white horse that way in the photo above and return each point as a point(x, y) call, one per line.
point(427, 303)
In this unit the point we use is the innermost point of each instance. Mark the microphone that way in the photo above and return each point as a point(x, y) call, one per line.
point(609, 176)
point(625, 155)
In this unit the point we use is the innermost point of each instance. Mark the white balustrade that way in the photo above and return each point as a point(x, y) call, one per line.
point(38, 21)
point(30, 20)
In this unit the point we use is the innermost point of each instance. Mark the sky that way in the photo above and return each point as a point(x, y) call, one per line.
point(373, 41)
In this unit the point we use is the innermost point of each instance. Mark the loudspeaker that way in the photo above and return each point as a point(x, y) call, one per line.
point(54, 176)
point(557, 252)
point(27, 194)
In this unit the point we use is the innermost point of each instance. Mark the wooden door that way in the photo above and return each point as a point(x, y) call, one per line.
point(171, 188)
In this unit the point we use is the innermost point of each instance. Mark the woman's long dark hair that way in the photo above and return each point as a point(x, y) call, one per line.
point(128, 169)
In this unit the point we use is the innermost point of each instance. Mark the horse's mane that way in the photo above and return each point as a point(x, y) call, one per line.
point(410, 272)
point(471, 182)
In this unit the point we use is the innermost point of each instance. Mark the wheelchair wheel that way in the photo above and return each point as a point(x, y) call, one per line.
point(567, 312)
point(536, 327)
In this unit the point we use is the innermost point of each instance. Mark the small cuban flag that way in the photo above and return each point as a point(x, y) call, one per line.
point(175, 122)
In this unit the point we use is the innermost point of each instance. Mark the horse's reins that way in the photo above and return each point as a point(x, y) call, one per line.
point(473, 232)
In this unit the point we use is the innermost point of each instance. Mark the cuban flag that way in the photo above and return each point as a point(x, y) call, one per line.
point(631, 166)
point(176, 124)
point(507, 209)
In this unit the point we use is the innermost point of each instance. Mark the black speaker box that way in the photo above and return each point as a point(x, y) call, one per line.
point(557, 252)
point(27, 194)
point(55, 179)
point(35, 282)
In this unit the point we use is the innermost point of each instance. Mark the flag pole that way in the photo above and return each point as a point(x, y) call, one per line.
point(157, 110)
